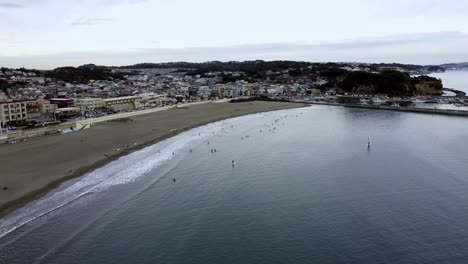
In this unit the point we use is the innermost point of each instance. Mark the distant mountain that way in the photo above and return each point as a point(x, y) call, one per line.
point(203, 67)
point(263, 66)
point(92, 66)
point(455, 66)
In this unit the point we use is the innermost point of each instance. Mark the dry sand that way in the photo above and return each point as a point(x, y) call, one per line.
point(32, 168)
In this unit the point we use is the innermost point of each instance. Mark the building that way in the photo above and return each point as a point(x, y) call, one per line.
point(48, 108)
point(89, 104)
point(247, 92)
point(33, 109)
point(67, 113)
point(37, 80)
point(149, 99)
point(13, 113)
point(226, 93)
point(348, 99)
point(63, 102)
point(120, 104)
point(331, 92)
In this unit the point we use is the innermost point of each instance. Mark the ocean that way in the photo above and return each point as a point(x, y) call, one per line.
point(457, 80)
point(291, 186)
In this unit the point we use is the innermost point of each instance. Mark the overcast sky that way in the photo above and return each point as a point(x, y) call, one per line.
point(50, 33)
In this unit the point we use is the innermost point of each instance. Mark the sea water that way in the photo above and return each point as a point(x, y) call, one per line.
point(457, 80)
point(304, 188)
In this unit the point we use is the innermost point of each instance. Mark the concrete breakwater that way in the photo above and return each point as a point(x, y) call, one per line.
point(398, 109)
point(457, 93)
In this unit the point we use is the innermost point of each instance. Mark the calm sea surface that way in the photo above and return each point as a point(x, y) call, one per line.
point(306, 189)
point(457, 80)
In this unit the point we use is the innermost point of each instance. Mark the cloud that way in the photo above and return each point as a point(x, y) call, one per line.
point(137, 1)
point(419, 48)
point(397, 40)
point(107, 3)
point(89, 21)
point(356, 45)
point(10, 5)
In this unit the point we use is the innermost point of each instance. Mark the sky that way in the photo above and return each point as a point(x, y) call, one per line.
point(45, 34)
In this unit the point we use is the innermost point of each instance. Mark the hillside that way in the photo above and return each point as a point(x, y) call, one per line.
point(82, 74)
point(393, 83)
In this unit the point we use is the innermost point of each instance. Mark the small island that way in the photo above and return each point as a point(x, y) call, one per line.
point(392, 83)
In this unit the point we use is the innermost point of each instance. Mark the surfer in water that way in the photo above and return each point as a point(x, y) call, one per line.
point(369, 142)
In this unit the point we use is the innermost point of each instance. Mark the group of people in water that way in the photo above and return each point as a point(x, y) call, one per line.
point(233, 162)
point(272, 129)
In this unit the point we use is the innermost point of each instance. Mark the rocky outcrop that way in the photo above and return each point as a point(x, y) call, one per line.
point(428, 88)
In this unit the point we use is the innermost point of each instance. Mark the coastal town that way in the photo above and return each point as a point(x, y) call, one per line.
point(32, 99)
point(249, 131)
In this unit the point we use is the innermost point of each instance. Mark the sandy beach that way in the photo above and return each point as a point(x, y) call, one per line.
point(33, 168)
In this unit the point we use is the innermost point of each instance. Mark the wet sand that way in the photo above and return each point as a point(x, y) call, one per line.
point(33, 168)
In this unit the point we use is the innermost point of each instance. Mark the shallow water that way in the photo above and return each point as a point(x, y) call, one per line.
point(307, 191)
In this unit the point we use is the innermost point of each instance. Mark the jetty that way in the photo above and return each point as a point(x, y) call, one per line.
point(392, 108)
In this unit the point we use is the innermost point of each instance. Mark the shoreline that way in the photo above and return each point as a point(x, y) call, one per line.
point(220, 111)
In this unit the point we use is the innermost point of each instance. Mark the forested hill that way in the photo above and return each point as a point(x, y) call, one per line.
point(393, 83)
point(455, 66)
point(260, 66)
point(83, 74)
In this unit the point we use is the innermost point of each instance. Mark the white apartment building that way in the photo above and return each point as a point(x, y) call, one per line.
point(13, 112)
point(153, 99)
point(89, 104)
point(126, 103)
point(48, 108)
